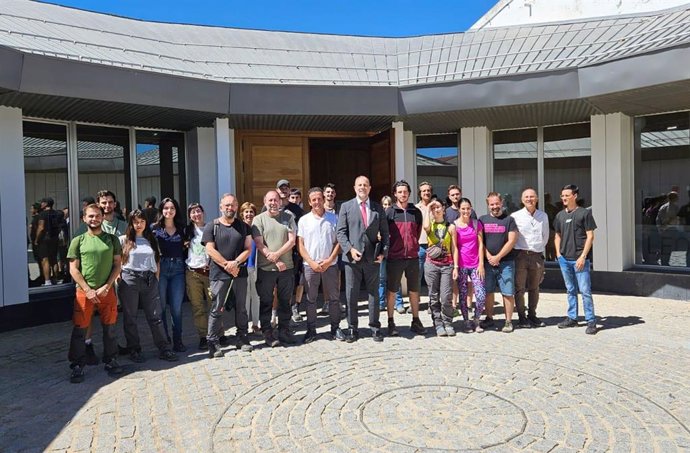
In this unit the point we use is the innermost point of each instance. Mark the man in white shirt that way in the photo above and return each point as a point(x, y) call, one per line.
point(533, 229)
point(319, 248)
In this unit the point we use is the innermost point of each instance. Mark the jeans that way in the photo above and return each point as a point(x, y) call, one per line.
point(577, 280)
point(382, 289)
point(252, 296)
point(171, 289)
point(422, 261)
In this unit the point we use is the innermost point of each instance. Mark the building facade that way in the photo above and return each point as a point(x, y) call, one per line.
point(91, 101)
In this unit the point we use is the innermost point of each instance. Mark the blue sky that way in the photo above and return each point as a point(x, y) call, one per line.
point(372, 18)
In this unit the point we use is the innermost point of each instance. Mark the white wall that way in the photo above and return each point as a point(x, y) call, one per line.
point(514, 12)
point(13, 247)
point(476, 165)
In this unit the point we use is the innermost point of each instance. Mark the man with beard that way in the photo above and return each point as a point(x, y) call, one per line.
point(228, 243)
point(500, 236)
point(94, 265)
point(274, 232)
point(363, 236)
point(111, 223)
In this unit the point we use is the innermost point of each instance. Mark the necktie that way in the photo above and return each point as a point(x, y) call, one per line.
point(364, 212)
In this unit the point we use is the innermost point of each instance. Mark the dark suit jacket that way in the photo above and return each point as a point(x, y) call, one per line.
point(351, 231)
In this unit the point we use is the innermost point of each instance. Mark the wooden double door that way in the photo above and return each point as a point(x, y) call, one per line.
point(309, 160)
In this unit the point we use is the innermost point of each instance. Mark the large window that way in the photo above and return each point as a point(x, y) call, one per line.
point(47, 202)
point(662, 190)
point(160, 153)
point(515, 165)
point(437, 162)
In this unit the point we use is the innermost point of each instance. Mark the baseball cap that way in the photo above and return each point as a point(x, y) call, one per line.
point(283, 182)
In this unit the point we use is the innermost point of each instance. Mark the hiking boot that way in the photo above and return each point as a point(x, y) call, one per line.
point(112, 367)
point(77, 375)
point(441, 331)
point(203, 344)
point(243, 344)
point(591, 328)
point(450, 331)
point(392, 330)
point(487, 323)
point(417, 327)
point(567, 322)
point(508, 327)
point(91, 357)
point(270, 340)
point(214, 351)
point(296, 317)
point(536, 322)
point(286, 337)
point(137, 357)
point(309, 336)
point(168, 356)
point(523, 323)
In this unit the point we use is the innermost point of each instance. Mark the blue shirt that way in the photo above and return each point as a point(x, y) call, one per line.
point(170, 246)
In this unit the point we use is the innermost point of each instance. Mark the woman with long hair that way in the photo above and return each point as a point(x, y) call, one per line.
point(169, 232)
point(247, 213)
point(139, 287)
point(469, 262)
point(438, 268)
point(197, 275)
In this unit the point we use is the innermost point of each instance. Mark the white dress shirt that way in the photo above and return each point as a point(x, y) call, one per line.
point(533, 229)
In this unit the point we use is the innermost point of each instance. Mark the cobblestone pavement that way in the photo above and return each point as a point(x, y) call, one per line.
point(625, 389)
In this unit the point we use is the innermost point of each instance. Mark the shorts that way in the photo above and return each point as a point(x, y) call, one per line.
point(501, 276)
point(395, 270)
point(48, 249)
point(83, 309)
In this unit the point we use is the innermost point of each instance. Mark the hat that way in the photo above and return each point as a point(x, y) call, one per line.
point(48, 201)
point(283, 182)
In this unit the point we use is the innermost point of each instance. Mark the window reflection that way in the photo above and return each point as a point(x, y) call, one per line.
point(437, 162)
point(662, 190)
point(515, 165)
point(160, 153)
point(47, 201)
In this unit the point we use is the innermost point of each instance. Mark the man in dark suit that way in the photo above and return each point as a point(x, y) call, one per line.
point(363, 236)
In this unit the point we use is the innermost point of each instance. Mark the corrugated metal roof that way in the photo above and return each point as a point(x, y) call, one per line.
point(252, 56)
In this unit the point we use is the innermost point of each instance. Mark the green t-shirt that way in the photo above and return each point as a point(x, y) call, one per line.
point(95, 254)
point(274, 231)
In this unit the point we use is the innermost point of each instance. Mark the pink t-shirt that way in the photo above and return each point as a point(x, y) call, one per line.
point(468, 245)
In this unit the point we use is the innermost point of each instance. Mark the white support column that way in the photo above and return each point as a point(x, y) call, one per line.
point(225, 156)
point(201, 150)
point(410, 147)
point(15, 287)
point(476, 165)
point(404, 161)
point(612, 191)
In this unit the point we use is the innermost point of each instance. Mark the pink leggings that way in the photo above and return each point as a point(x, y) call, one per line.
point(479, 292)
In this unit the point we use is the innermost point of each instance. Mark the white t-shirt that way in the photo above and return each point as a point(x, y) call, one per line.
point(318, 235)
point(196, 254)
point(141, 258)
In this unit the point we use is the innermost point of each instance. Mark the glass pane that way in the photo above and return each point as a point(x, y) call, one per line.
point(160, 166)
point(567, 160)
point(437, 162)
point(662, 190)
point(47, 201)
point(515, 165)
point(103, 159)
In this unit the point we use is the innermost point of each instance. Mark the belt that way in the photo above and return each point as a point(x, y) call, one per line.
point(199, 270)
point(141, 274)
point(529, 252)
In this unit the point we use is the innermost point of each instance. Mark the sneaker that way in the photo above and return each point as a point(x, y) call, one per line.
point(214, 351)
point(137, 357)
point(376, 335)
point(91, 357)
point(392, 330)
point(243, 344)
point(417, 327)
point(77, 375)
point(203, 344)
point(487, 323)
point(223, 340)
point(450, 331)
point(296, 317)
point(112, 367)
point(523, 323)
point(536, 322)
point(286, 337)
point(270, 340)
point(179, 347)
point(338, 334)
point(469, 326)
point(478, 327)
point(401, 309)
point(567, 322)
point(441, 331)
point(508, 327)
point(309, 336)
point(591, 328)
point(353, 337)
point(168, 356)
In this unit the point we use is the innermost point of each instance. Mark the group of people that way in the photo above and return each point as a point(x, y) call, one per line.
point(258, 263)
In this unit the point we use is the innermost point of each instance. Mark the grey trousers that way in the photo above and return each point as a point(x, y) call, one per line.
point(354, 274)
point(439, 280)
point(329, 280)
point(219, 290)
point(141, 290)
point(529, 273)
